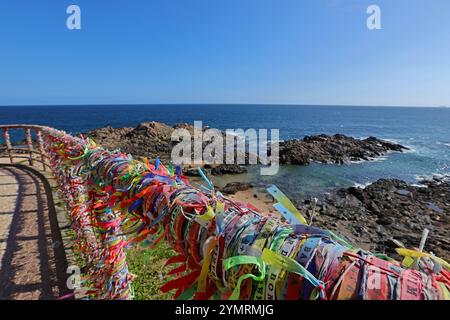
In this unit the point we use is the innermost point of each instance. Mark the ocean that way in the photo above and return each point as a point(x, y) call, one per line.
point(426, 131)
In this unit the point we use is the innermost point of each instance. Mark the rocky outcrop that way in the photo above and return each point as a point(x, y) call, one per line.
point(152, 140)
point(149, 139)
point(233, 187)
point(389, 209)
point(337, 149)
point(228, 169)
point(216, 170)
point(372, 217)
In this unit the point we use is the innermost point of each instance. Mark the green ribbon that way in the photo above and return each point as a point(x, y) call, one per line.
point(188, 293)
point(290, 265)
point(339, 239)
point(85, 151)
point(239, 260)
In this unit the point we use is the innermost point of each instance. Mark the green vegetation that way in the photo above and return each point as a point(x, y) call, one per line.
point(144, 263)
point(147, 266)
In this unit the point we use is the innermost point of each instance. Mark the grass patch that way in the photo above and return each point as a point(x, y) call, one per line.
point(147, 266)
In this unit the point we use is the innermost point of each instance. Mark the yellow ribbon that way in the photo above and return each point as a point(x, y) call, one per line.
point(418, 254)
point(208, 215)
point(205, 267)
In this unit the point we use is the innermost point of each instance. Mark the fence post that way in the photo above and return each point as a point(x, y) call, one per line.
point(8, 144)
point(29, 144)
point(41, 148)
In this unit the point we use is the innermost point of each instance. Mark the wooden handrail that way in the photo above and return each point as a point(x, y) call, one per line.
point(21, 126)
point(41, 148)
point(8, 144)
point(28, 147)
point(23, 150)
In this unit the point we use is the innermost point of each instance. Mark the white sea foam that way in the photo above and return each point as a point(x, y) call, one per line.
point(362, 185)
point(358, 161)
point(382, 158)
point(410, 149)
point(392, 140)
point(375, 159)
point(430, 177)
point(418, 185)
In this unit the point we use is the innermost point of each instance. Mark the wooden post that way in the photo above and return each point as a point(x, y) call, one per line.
point(8, 144)
point(425, 233)
point(41, 148)
point(29, 144)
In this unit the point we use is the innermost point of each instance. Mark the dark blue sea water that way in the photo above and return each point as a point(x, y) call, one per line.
point(425, 130)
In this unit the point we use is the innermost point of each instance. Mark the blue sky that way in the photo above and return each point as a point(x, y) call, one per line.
point(225, 51)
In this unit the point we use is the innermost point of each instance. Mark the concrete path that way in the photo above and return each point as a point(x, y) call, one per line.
point(32, 260)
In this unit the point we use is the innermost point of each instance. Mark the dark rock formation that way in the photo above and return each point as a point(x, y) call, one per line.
point(390, 209)
point(151, 140)
point(228, 169)
point(338, 149)
point(233, 187)
point(192, 172)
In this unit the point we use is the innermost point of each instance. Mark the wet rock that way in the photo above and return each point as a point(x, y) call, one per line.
point(228, 169)
point(391, 208)
point(337, 149)
point(374, 208)
point(385, 221)
point(434, 207)
point(233, 187)
point(402, 192)
point(192, 172)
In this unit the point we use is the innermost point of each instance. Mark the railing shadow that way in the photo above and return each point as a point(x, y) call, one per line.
point(34, 263)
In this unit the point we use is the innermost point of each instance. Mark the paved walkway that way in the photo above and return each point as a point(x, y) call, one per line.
point(32, 259)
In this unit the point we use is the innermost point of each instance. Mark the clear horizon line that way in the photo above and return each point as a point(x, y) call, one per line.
point(206, 104)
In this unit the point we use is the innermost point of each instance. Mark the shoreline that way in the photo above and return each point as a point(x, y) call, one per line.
point(362, 215)
point(154, 139)
point(373, 216)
